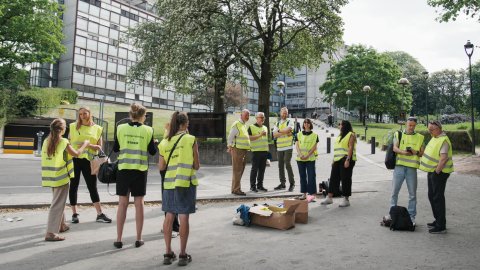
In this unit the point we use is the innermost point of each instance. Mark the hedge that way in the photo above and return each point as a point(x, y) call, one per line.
point(461, 140)
point(45, 98)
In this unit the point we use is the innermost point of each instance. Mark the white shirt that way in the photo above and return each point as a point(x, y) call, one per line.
point(233, 133)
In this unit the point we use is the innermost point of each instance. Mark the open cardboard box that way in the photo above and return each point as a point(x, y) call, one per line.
point(280, 218)
point(301, 213)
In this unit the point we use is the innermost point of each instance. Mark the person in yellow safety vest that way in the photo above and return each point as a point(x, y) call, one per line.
point(283, 132)
point(306, 146)
point(179, 157)
point(85, 129)
point(134, 141)
point(409, 150)
point(258, 134)
point(238, 144)
point(344, 157)
point(57, 169)
point(437, 162)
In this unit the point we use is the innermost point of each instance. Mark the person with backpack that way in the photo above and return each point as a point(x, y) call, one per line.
point(57, 170)
point(306, 146)
point(283, 132)
point(409, 149)
point(437, 162)
point(344, 157)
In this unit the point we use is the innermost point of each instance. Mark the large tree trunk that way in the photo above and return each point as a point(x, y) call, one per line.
point(264, 92)
point(220, 78)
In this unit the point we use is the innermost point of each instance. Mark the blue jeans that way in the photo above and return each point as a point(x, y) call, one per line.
point(306, 170)
point(410, 176)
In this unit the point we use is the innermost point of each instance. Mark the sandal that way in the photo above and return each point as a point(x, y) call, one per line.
point(183, 260)
point(169, 258)
point(64, 228)
point(54, 238)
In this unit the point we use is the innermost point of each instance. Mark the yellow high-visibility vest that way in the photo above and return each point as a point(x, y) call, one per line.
point(414, 141)
point(260, 144)
point(90, 133)
point(133, 142)
point(57, 169)
point(431, 156)
point(180, 172)
point(340, 148)
point(305, 143)
point(285, 140)
point(241, 141)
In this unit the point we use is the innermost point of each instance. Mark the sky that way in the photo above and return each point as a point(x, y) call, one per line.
point(411, 26)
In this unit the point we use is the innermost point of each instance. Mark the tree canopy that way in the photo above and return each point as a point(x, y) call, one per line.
point(452, 8)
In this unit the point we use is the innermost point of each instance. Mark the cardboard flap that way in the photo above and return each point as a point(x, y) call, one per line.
point(261, 210)
point(291, 210)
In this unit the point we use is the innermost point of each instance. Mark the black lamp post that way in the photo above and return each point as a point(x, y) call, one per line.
point(366, 89)
point(281, 87)
point(349, 93)
point(469, 51)
point(425, 75)
point(334, 96)
point(403, 82)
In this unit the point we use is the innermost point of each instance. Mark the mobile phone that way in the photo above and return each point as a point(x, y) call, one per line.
point(409, 149)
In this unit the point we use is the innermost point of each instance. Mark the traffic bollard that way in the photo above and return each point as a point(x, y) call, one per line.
point(328, 145)
point(372, 141)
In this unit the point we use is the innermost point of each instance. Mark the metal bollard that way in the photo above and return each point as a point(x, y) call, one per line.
point(39, 143)
point(328, 145)
point(372, 141)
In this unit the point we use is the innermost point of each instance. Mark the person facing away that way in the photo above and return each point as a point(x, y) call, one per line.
point(133, 141)
point(85, 129)
point(306, 146)
point(283, 132)
point(57, 170)
point(179, 157)
point(409, 150)
point(238, 144)
point(258, 134)
point(344, 157)
point(437, 162)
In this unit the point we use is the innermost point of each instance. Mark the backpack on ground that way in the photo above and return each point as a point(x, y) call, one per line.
point(400, 219)
point(391, 156)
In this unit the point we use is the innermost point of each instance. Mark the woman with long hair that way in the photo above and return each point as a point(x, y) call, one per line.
point(180, 150)
point(133, 140)
point(57, 169)
point(306, 146)
point(344, 157)
point(85, 129)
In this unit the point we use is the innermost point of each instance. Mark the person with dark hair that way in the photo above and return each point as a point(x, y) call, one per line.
point(344, 157)
point(179, 157)
point(133, 140)
point(85, 129)
point(57, 170)
point(306, 146)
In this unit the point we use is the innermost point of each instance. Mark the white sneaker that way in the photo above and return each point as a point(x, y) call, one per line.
point(268, 163)
point(327, 200)
point(345, 202)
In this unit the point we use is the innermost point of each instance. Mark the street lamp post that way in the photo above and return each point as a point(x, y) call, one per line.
point(281, 86)
point(366, 89)
point(403, 82)
point(425, 75)
point(334, 95)
point(469, 51)
point(349, 93)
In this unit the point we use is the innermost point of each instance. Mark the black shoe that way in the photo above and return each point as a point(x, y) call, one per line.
point(75, 218)
point(262, 189)
point(291, 188)
point(432, 224)
point(437, 230)
point(280, 187)
point(139, 243)
point(103, 218)
point(118, 244)
point(253, 189)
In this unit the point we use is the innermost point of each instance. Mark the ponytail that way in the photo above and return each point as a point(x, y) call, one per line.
point(178, 119)
point(56, 128)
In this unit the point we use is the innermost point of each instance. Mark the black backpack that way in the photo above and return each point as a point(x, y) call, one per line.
point(400, 219)
point(107, 173)
point(390, 156)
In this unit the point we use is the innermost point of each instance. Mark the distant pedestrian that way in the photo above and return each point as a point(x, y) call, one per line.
point(344, 157)
point(306, 146)
point(57, 169)
point(283, 132)
point(297, 128)
point(258, 134)
point(85, 129)
point(238, 143)
point(133, 140)
point(179, 157)
point(437, 162)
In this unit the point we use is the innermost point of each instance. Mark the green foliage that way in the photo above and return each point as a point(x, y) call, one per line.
point(448, 87)
point(40, 100)
point(26, 104)
point(462, 127)
point(452, 8)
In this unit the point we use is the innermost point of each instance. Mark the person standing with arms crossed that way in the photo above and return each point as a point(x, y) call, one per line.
point(306, 146)
point(85, 129)
point(437, 162)
point(180, 151)
point(238, 144)
point(57, 169)
point(134, 141)
point(258, 134)
point(283, 132)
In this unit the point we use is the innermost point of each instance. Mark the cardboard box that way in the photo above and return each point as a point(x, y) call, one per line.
point(280, 218)
point(301, 213)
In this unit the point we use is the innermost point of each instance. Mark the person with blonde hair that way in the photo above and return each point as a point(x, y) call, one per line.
point(134, 141)
point(85, 129)
point(57, 169)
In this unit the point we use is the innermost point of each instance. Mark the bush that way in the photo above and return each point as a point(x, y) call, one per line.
point(273, 114)
point(460, 140)
point(462, 127)
point(25, 105)
point(40, 100)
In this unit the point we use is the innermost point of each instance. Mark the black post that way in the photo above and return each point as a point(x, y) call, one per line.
point(471, 99)
point(373, 145)
point(328, 145)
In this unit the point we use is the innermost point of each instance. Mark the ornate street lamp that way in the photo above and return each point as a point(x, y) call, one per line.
point(425, 75)
point(366, 89)
point(469, 51)
point(403, 82)
point(349, 93)
point(334, 96)
point(281, 86)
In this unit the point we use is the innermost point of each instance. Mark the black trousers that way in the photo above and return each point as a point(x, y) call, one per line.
point(340, 173)
point(176, 224)
point(259, 162)
point(436, 196)
point(82, 165)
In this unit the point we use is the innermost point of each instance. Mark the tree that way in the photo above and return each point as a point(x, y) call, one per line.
point(364, 66)
point(452, 8)
point(233, 96)
point(449, 87)
point(476, 86)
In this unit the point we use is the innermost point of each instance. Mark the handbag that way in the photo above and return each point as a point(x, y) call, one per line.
point(97, 161)
point(107, 172)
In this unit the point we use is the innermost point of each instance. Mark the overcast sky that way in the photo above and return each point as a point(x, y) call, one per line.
point(410, 26)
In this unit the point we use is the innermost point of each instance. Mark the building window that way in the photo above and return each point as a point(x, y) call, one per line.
point(127, 14)
point(96, 3)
